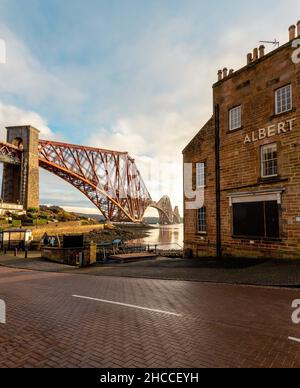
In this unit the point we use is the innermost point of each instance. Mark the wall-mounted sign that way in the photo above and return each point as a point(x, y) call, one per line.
point(270, 131)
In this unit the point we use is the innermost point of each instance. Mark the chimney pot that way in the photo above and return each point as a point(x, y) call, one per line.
point(298, 28)
point(255, 54)
point(225, 72)
point(292, 32)
point(249, 58)
point(231, 71)
point(261, 51)
point(220, 75)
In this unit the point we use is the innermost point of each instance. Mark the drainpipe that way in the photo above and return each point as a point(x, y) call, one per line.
point(218, 190)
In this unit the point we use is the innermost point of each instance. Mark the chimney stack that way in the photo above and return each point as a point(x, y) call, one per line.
point(225, 72)
point(292, 32)
point(249, 58)
point(220, 75)
point(261, 51)
point(298, 29)
point(255, 54)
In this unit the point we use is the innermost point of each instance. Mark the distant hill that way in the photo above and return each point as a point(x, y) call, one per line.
point(57, 213)
point(97, 217)
point(100, 218)
point(151, 220)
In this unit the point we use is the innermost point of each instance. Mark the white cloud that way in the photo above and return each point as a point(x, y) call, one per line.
point(171, 97)
point(24, 76)
point(162, 95)
point(14, 116)
point(156, 143)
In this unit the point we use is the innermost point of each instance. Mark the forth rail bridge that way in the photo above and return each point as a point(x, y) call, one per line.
point(109, 179)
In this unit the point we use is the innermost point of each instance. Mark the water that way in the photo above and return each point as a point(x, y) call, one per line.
point(165, 237)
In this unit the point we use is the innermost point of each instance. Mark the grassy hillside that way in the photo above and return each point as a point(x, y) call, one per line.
point(43, 216)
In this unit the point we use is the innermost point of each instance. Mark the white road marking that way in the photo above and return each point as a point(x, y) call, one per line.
point(128, 305)
point(294, 339)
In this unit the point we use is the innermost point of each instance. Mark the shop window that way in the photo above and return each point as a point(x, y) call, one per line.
point(256, 219)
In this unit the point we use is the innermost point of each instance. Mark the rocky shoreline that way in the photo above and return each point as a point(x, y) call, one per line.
point(124, 233)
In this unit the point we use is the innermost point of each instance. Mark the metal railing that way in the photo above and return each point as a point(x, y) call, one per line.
point(104, 251)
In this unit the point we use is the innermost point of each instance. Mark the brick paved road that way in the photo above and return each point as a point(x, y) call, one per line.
point(219, 326)
point(284, 273)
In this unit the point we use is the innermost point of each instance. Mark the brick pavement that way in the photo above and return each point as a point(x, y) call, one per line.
point(250, 272)
point(236, 271)
point(220, 326)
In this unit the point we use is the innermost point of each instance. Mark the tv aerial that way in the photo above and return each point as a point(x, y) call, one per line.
point(275, 42)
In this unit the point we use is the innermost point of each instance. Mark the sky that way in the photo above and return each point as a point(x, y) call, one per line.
point(129, 75)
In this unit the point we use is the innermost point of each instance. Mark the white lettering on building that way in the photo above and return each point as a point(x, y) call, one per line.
point(270, 131)
point(296, 52)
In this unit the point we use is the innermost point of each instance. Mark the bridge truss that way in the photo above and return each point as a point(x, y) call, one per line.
point(109, 179)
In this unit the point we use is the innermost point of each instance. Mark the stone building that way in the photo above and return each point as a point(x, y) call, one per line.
point(245, 162)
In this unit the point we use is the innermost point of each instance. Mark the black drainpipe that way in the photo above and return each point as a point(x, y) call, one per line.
point(218, 189)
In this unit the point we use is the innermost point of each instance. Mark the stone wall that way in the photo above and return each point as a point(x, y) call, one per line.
point(201, 150)
point(63, 228)
point(71, 256)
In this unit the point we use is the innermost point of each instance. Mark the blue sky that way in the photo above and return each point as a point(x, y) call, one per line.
point(132, 75)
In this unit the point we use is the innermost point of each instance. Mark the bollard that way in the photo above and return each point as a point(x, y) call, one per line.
point(16, 252)
point(26, 253)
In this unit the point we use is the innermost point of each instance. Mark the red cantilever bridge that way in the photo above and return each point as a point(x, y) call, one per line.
point(109, 179)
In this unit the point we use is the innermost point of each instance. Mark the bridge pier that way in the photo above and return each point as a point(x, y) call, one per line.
point(20, 183)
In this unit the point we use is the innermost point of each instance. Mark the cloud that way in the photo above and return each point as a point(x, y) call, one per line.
point(148, 94)
point(25, 77)
point(170, 95)
point(156, 142)
point(14, 116)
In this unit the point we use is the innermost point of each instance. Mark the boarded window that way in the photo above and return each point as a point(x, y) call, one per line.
point(256, 219)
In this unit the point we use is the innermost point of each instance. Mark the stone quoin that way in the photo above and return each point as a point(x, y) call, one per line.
point(247, 160)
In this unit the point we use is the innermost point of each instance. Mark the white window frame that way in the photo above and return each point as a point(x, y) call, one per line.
point(200, 183)
point(279, 109)
point(263, 161)
point(234, 123)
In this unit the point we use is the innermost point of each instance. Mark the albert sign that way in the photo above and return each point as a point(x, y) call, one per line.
point(270, 131)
